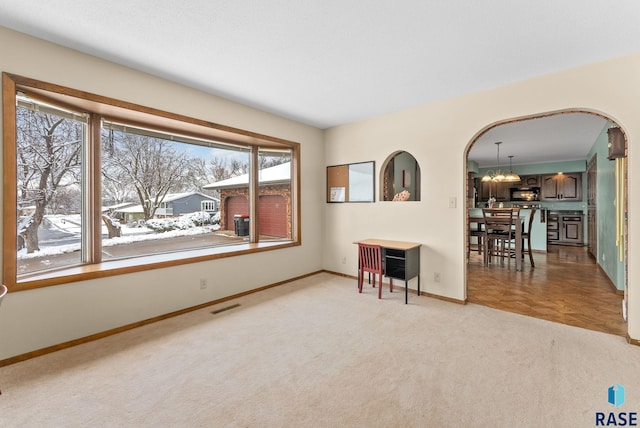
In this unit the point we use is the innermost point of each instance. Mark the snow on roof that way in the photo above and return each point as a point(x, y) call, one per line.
point(272, 174)
point(169, 198)
point(117, 206)
point(131, 209)
point(174, 196)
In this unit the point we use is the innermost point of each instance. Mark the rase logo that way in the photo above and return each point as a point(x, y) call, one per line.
point(615, 397)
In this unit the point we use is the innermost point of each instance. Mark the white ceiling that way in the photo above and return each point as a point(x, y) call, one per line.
point(562, 137)
point(330, 62)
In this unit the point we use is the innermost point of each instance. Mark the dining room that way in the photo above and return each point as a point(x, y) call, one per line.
point(568, 270)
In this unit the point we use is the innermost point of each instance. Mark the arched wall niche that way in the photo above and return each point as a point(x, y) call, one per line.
point(400, 178)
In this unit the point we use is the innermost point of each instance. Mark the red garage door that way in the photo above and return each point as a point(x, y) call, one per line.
point(235, 205)
point(273, 216)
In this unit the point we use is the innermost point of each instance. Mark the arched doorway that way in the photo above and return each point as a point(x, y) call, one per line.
point(558, 288)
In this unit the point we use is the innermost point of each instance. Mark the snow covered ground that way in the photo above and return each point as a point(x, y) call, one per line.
point(61, 234)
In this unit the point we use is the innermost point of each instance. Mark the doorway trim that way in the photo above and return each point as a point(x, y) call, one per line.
point(625, 172)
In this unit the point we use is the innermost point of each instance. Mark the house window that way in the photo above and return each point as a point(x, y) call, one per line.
point(113, 187)
point(209, 206)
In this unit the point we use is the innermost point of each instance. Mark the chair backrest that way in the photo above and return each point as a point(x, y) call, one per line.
point(370, 257)
point(499, 219)
point(3, 292)
point(531, 217)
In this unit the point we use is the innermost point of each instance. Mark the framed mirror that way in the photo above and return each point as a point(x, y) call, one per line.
point(353, 182)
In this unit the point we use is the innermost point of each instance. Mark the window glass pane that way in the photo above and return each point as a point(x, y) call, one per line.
point(49, 187)
point(155, 192)
point(274, 200)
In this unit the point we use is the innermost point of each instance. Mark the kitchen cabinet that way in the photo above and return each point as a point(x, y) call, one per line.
point(500, 191)
point(565, 228)
point(561, 187)
point(529, 181)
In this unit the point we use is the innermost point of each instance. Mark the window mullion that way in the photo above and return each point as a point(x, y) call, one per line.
point(254, 177)
point(92, 201)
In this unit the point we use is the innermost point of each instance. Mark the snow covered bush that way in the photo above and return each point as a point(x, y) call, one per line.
point(185, 221)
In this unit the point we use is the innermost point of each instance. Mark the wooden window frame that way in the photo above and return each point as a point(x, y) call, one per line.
point(100, 107)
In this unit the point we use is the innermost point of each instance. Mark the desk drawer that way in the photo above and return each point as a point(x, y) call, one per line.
point(393, 270)
point(395, 263)
point(396, 254)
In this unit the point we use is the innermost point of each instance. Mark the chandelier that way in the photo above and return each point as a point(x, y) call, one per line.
point(498, 175)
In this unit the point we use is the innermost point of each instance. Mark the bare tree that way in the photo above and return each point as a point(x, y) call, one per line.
point(116, 187)
point(153, 167)
point(48, 149)
point(65, 201)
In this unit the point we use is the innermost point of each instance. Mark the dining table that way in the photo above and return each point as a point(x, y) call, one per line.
point(518, 225)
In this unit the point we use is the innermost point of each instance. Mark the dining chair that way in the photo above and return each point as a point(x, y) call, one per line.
point(478, 232)
point(526, 236)
point(499, 229)
point(3, 292)
point(370, 260)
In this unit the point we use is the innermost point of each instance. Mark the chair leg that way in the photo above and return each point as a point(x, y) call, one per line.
point(486, 251)
point(390, 285)
point(530, 253)
point(379, 287)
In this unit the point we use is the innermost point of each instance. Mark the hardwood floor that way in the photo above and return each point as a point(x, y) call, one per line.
point(566, 286)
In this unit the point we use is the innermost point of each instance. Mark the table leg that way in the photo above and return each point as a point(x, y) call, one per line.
point(519, 246)
point(406, 292)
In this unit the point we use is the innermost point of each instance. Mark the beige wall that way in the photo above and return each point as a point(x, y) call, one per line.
point(438, 135)
point(34, 319)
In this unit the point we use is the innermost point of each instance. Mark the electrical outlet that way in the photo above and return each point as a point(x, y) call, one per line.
point(203, 283)
point(344, 260)
point(452, 202)
point(436, 277)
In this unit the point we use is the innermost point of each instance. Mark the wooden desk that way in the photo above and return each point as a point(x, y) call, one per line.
point(401, 260)
point(518, 238)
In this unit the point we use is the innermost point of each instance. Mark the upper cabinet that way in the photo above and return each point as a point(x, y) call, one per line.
point(500, 191)
point(529, 181)
point(561, 187)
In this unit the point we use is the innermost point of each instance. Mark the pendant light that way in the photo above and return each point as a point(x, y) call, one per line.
point(511, 176)
point(496, 175)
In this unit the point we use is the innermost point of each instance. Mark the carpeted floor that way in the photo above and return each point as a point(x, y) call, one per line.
point(315, 353)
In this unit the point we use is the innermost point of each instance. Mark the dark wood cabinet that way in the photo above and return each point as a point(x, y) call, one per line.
point(565, 228)
point(561, 187)
point(529, 181)
point(500, 191)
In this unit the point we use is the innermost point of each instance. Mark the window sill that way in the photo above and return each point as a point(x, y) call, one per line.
point(140, 264)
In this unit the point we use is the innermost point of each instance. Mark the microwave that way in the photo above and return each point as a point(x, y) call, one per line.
point(527, 194)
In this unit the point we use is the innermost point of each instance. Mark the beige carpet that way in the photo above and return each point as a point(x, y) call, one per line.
point(315, 353)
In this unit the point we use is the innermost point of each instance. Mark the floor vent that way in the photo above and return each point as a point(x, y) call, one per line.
point(217, 311)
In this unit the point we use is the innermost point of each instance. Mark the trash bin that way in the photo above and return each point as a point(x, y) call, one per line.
point(241, 224)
